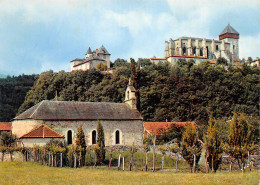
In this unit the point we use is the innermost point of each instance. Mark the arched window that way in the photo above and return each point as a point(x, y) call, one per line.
point(94, 137)
point(117, 137)
point(128, 95)
point(184, 50)
point(69, 137)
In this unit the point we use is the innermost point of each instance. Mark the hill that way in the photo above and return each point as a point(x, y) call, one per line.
point(12, 93)
point(185, 92)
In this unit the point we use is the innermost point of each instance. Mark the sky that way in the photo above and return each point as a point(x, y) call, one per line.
point(36, 36)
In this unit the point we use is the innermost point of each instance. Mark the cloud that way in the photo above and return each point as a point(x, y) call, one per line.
point(249, 46)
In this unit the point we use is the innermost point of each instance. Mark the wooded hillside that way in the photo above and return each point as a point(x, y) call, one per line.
point(12, 93)
point(185, 92)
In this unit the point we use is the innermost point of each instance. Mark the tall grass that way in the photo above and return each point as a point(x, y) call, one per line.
point(34, 173)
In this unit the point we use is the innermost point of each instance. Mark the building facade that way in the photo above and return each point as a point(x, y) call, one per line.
point(201, 49)
point(91, 60)
point(122, 122)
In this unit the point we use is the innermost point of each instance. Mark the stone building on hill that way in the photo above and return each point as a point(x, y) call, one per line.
point(91, 60)
point(201, 49)
point(122, 122)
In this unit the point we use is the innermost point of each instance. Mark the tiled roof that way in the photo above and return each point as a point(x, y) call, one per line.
point(156, 127)
point(72, 110)
point(5, 126)
point(42, 131)
point(229, 29)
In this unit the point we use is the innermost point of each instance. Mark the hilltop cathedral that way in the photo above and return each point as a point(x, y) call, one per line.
point(201, 49)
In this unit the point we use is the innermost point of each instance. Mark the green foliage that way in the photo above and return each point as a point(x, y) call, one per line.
point(101, 66)
point(120, 62)
point(12, 93)
point(7, 139)
point(100, 150)
point(191, 145)
point(184, 92)
point(213, 145)
point(81, 145)
point(222, 61)
point(240, 139)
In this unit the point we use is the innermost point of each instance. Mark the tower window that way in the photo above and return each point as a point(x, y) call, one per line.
point(94, 137)
point(201, 52)
point(216, 47)
point(234, 47)
point(194, 51)
point(69, 137)
point(117, 137)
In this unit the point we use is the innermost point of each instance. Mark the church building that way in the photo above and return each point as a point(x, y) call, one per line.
point(201, 49)
point(122, 122)
point(91, 60)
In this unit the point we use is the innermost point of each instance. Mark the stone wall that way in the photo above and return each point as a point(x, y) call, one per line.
point(131, 131)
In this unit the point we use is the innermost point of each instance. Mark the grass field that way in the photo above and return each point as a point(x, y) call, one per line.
point(34, 173)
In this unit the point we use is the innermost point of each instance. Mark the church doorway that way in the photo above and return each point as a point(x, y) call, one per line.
point(117, 137)
point(94, 137)
point(69, 137)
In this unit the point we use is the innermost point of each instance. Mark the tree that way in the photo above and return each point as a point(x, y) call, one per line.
point(120, 62)
point(101, 66)
point(100, 150)
point(7, 139)
point(191, 147)
point(240, 142)
point(146, 149)
point(81, 145)
point(213, 146)
point(176, 149)
point(222, 61)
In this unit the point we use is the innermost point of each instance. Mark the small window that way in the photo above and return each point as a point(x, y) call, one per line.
point(117, 137)
point(128, 95)
point(216, 47)
point(94, 137)
point(194, 51)
point(69, 137)
point(234, 47)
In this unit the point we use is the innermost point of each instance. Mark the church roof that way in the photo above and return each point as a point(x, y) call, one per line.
point(42, 131)
point(72, 110)
point(229, 29)
point(103, 50)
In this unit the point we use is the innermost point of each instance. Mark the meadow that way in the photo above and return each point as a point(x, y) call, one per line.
point(34, 173)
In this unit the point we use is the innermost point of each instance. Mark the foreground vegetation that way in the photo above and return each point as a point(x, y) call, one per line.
point(33, 173)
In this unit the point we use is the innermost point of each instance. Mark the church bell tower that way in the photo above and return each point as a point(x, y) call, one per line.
point(130, 97)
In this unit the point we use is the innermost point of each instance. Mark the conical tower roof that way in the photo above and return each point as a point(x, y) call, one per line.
point(89, 51)
point(229, 29)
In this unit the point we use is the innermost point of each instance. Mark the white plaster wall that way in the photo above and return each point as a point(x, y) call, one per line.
point(21, 127)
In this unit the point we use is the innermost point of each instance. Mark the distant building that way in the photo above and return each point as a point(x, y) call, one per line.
point(255, 62)
point(122, 122)
point(92, 58)
point(201, 49)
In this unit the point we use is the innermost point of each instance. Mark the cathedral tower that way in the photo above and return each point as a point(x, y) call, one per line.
point(230, 35)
